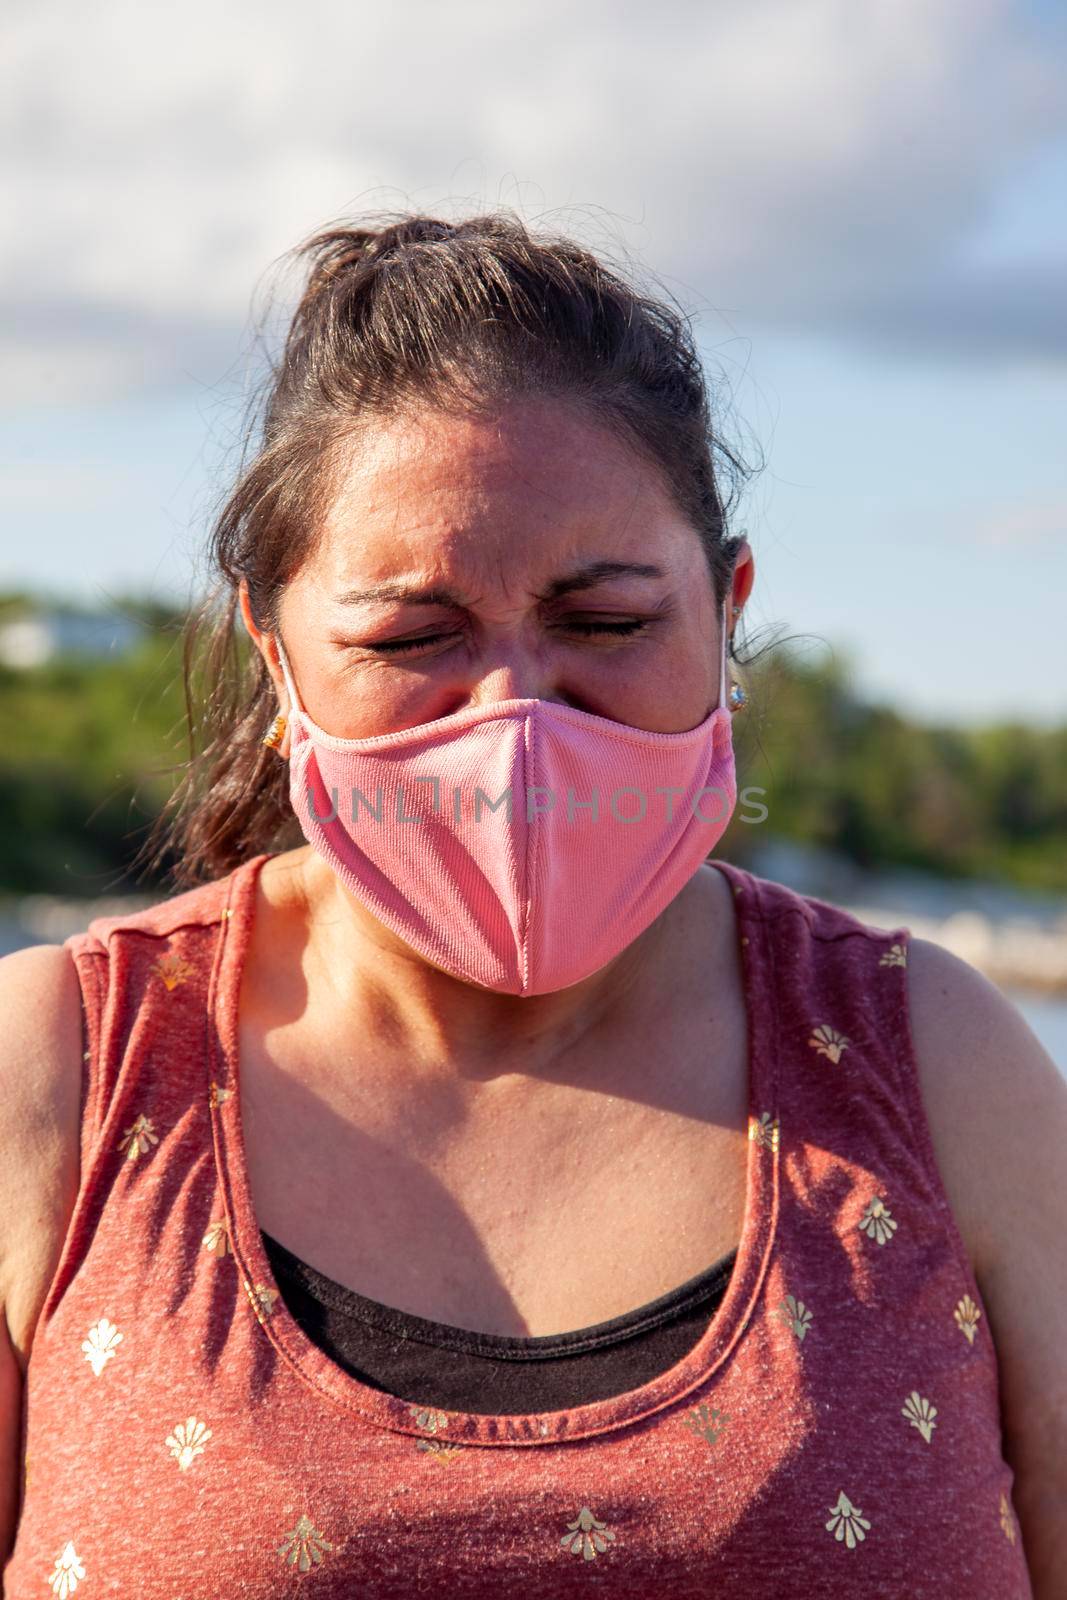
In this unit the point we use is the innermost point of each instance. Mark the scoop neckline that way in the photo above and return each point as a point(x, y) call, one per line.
point(356, 1307)
point(395, 1414)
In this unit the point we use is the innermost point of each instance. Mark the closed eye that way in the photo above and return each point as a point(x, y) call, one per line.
point(587, 629)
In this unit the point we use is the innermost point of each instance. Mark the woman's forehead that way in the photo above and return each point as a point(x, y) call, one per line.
point(535, 484)
point(519, 427)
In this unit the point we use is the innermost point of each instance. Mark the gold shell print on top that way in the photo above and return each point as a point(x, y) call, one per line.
point(68, 1572)
point(966, 1315)
point(828, 1042)
point(586, 1536)
point(877, 1221)
point(100, 1346)
point(303, 1547)
point(765, 1132)
point(173, 970)
point(920, 1413)
point(847, 1522)
point(261, 1299)
point(428, 1418)
point(438, 1450)
point(895, 956)
point(795, 1313)
point(141, 1135)
point(188, 1441)
point(708, 1424)
point(217, 1238)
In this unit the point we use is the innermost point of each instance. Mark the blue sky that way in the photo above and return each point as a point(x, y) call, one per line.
point(864, 206)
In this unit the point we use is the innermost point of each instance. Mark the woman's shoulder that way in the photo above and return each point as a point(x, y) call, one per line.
point(40, 1004)
point(52, 999)
point(986, 1088)
point(40, 1081)
point(997, 1109)
point(995, 1101)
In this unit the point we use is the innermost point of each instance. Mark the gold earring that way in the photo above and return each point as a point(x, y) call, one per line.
point(275, 733)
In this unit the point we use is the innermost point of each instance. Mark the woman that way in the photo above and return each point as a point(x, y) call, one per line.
point(493, 1191)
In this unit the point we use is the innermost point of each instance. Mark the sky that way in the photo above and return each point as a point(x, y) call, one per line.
point(862, 206)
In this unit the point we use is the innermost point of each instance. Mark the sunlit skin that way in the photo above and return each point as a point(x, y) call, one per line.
point(495, 515)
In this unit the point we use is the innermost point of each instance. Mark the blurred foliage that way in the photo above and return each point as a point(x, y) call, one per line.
point(88, 750)
point(85, 748)
point(883, 790)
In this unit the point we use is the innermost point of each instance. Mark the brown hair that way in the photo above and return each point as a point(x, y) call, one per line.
point(413, 312)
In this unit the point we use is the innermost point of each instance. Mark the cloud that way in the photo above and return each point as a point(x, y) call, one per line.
point(1027, 525)
point(1013, 312)
point(793, 163)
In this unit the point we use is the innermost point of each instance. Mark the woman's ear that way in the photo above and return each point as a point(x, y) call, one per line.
point(264, 643)
point(744, 575)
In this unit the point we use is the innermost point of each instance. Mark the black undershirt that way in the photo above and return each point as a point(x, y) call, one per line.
point(498, 1374)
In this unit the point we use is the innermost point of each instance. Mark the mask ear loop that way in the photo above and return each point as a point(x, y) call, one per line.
point(294, 698)
point(722, 657)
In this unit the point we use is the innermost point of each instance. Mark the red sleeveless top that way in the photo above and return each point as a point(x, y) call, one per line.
point(836, 1429)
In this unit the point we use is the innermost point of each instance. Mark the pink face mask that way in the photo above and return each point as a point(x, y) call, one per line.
point(519, 845)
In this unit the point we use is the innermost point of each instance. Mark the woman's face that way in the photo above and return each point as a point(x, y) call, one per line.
point(525, 555)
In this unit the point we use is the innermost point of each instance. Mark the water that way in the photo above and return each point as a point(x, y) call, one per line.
point(1048, 1019)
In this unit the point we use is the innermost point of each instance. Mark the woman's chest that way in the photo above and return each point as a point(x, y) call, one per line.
point(847, 1440)
point(546, 1208)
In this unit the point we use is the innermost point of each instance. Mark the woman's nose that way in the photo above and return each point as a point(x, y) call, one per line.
point(511, 675)
point(506, 683)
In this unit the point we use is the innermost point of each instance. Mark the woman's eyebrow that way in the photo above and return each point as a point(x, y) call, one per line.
point(596, 572)
point(434, 595)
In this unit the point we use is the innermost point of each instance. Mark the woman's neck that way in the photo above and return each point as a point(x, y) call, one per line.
point(379, 988)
